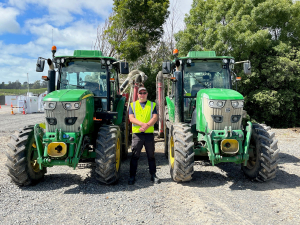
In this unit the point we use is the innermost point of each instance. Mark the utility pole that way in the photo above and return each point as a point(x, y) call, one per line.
point(28, 83)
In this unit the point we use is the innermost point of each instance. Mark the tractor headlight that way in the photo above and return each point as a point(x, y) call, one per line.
point(237, 104)
point(68, 106)
point(216, 103)
point(219, 103)
point(235, 118)
point(58, 60)
point(71, 105)
point(70, 120)
point(49, 105)
point(51, 121)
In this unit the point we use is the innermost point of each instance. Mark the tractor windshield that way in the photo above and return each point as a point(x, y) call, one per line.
point(85, 75)
point(201, 74)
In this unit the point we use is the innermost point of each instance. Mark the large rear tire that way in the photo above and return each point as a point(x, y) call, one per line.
point(125, 134)
point(166, 131)
point(22, 158)
point(181, 153)
point(263, 151)
point(108, 154)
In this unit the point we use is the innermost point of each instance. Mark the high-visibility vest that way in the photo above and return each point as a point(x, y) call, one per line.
point(143, 115)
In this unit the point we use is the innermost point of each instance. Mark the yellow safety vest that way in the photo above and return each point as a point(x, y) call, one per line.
point(143, 115)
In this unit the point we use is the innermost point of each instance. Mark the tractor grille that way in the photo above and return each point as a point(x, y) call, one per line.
point(60, 114)
point(227, 111)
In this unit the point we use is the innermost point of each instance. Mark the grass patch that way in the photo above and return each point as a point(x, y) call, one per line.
point(21, 91)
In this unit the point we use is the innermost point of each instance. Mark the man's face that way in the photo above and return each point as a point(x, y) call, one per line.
point(143, 95)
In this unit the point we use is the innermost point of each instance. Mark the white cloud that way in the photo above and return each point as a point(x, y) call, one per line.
point(60, 11)
point(80, 34)
point(16, 68)
point(8, 21)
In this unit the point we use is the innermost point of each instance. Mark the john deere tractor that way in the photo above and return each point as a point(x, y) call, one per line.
point(203, 116)
point(85, 120)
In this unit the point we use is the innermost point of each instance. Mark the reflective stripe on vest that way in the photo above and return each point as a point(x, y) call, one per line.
point(144, 115)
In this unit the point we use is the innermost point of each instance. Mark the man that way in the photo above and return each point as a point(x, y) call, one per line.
point(142, 115)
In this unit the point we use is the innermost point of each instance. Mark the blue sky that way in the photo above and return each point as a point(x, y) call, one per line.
point(26, 28)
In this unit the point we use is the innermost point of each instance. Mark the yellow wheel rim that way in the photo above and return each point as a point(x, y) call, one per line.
point(34, 163)
point(118, 155)
point(35, 166)
point(171, 152)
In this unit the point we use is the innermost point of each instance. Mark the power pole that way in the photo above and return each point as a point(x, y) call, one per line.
point(28, 83)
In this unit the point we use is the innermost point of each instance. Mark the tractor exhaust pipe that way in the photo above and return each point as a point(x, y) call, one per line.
point(51, 77)
point(160, 100)
point(178, 97)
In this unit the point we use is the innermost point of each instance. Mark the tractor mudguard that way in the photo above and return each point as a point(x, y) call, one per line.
point(119, 110)
point(171, 108)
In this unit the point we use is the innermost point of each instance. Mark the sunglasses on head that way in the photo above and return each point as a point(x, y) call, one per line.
point(142, 93)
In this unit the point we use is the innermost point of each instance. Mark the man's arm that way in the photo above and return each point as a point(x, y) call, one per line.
point(135, 121)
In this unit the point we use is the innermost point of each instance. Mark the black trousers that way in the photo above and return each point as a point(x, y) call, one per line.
point(138, 141)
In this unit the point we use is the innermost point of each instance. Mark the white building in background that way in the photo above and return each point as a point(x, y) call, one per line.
point(31, 103)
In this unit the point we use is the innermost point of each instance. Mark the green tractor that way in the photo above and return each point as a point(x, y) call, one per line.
point(85, 120)
point(203, 116)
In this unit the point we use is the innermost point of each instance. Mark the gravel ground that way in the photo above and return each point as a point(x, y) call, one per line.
point(217, 195)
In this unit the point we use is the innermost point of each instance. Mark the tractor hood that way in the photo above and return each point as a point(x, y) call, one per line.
point(220, 94)
point(73, 95)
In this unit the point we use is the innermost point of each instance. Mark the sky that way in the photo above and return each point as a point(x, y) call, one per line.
point(27, 27)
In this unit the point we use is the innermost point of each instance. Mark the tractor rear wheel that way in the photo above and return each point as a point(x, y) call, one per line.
point(125, 134)
point(108, 154)
point(181, 153)
point(166, 131)
point(263, 154)
point(22, 158)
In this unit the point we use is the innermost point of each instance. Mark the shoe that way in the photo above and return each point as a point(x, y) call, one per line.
point(155, 179)
point(131, 180)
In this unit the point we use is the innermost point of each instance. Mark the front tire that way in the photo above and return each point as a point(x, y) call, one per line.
point(181, 153)
point(22, 158)
point(263, 159)
point(108, 154)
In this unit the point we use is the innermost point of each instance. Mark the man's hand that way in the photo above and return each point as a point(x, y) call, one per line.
point(144, 127)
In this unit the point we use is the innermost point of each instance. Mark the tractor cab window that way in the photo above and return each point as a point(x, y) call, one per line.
point(114, 84)
point(84, 75)
point(203, 74)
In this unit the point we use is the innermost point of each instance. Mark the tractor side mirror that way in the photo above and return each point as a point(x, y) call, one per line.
point(124, 68)
point(166, 67)
point(40, 64)
point(247, 68)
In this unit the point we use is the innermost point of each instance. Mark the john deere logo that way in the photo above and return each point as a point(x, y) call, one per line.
point(58, 149)
point(227, 110)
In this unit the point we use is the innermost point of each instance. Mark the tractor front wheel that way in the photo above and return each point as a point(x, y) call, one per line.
point(263, 154)
point(22, 158)
point(108, 154)
point(181, 153)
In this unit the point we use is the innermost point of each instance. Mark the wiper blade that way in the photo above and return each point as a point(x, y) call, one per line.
point(81, 87)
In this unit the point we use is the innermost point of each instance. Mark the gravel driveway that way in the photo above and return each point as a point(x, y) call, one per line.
point(216, 195)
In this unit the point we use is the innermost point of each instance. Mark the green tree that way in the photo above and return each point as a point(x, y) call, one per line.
point(142, 21)
point(36, 85)
point(264, 31)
